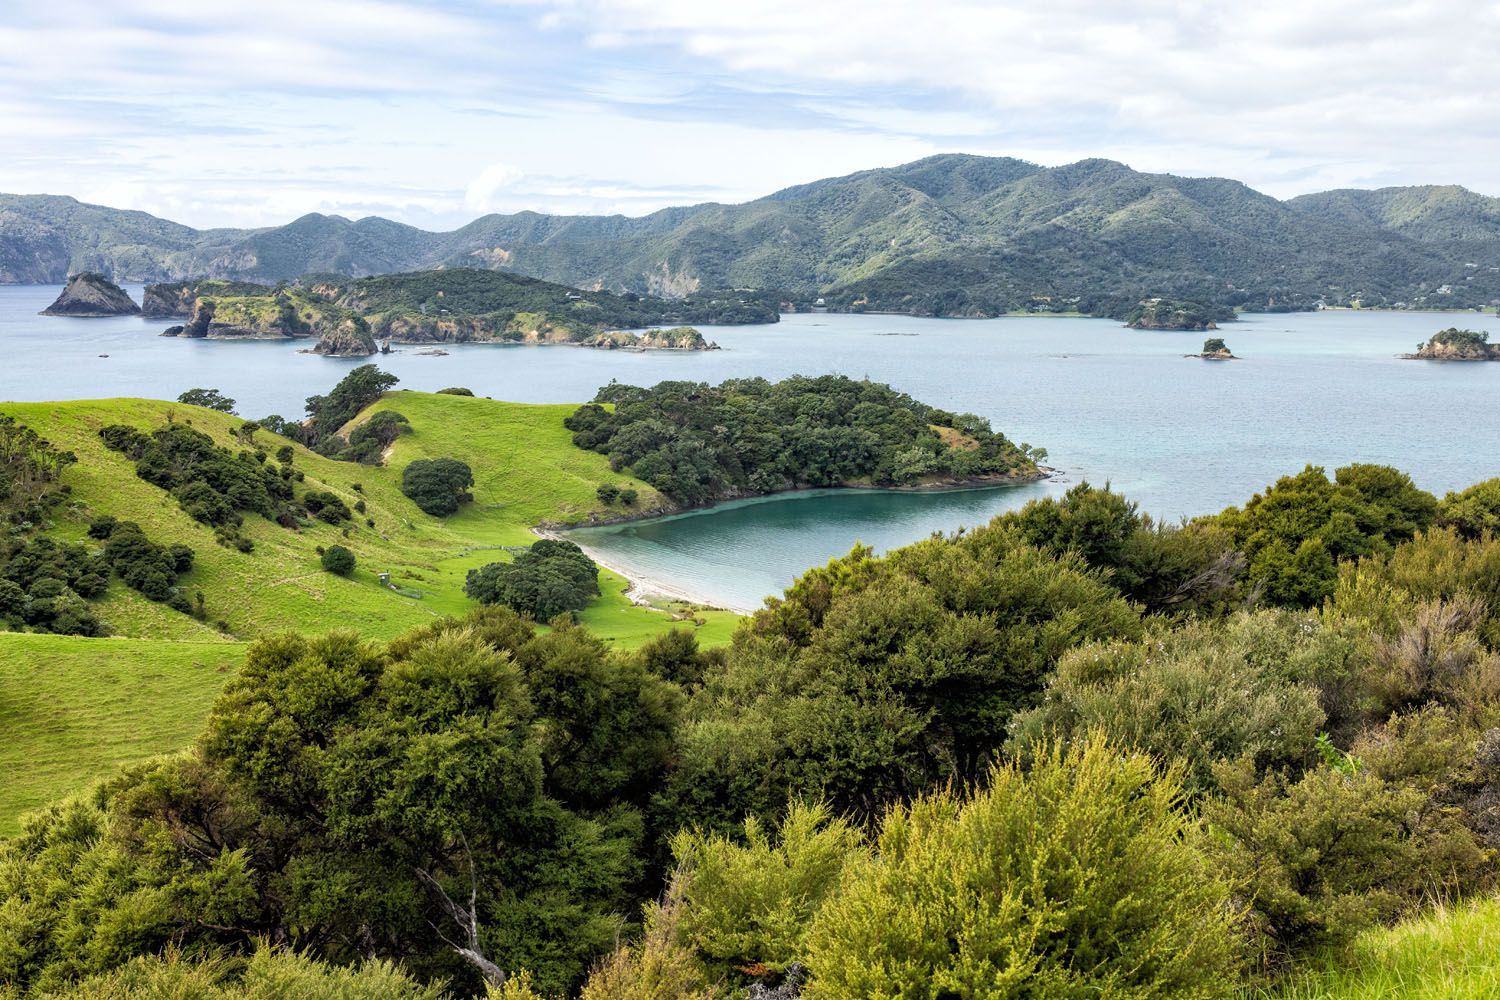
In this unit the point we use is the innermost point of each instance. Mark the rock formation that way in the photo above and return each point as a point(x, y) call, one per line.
point(1453, 344)
point(92, 294)
point(350, 339)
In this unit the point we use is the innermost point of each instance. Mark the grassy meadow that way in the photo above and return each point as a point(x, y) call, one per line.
point(74, 710)
point(1452, 953)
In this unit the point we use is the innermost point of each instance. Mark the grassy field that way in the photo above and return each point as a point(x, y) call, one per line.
point(1452, 954)
point(74, 710)
point(526, 469)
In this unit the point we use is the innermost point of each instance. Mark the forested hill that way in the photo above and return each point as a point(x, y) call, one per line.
point(951, 234)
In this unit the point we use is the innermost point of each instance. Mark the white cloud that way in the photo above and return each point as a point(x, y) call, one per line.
point(482, 190)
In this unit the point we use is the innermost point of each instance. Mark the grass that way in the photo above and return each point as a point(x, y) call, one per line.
point(526, 471)
point(75, 710)
point(1452, 953)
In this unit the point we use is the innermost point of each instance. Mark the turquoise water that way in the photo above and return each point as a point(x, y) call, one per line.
point(1182, 436)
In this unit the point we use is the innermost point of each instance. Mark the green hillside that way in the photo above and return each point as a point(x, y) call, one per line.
point(526, 468)
point(949, 235)
point(76, 710)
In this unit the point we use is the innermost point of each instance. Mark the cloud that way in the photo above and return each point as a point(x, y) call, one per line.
point(481, 192)
point(431, 111)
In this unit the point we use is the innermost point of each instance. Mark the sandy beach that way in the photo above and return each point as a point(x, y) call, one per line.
point(642, 589)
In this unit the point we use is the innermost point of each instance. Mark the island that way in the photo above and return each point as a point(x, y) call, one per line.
point(1454, 344)
point(349, 317)
point(1214, 349)
point(1176, 314)
point(90, 294)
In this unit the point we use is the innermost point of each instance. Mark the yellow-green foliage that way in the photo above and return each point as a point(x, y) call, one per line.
point(1453, 953)
point(268, 975)
point(1079, 879)
point(751, 904)
point(75, 710)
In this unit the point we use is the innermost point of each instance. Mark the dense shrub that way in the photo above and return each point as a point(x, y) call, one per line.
point(437, 485)
point(327, 414)
point(338, 559)
point(1472, 512)
point(456, 390)
point(326, 506)
point(548, 579)
point(368, 441)
point(31, 471)
point(1081, 878)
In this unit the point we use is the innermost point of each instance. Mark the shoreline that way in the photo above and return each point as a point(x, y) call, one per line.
point(641, 588)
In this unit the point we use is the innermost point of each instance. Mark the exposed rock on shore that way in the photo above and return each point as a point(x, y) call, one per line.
point(681, 338)
point(90, 294)
point(1453, 344)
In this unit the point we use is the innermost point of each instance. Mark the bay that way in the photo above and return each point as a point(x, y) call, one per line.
point(1181, 436)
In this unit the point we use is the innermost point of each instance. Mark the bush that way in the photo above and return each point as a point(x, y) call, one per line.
point(628, 496)
point(338, 559)
point(437, 485)
point(1472, 512)
point(607, 493)
point(326, 506)
point(456, 391)
point(1082, 878)
point(101, 526)
point(548, 579)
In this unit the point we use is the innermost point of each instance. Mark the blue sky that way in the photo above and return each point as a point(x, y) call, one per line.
point(231, 113)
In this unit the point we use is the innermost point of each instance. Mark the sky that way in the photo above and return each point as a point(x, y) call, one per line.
point(229, 113)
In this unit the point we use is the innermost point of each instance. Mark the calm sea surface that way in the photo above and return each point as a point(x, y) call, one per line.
point(1181, 436)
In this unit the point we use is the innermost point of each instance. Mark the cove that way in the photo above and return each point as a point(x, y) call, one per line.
point(734, 554)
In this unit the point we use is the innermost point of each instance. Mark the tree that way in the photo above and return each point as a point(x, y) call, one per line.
point(338, 559)
point(361, 387)
point(548, 579)
point(213, 399)
point(437, 485)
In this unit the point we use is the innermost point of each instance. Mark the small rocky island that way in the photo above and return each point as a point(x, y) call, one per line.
point(1214, 349)
point(90, 294)
point(1453, 344)
point(1175, 314)
point(679, 338)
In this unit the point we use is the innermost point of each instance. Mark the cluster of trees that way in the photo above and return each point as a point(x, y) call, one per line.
point(212, 484)
point(698, 443)
point(211, 399)
point(327, 415)
point(1073, 752)
point(439, 486)
point(31, 471)
point(551, 578)
point(46, 584)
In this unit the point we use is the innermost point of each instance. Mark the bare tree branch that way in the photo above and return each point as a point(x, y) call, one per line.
point(467, 920)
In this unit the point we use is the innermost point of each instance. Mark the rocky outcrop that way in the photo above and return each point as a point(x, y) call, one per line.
point(91, 294)
point(350, 339)
point(1457, 345)
point(173, 300)
point(1214, 349)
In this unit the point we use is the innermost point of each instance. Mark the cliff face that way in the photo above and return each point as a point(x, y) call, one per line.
point(350, 339)
point(90, 294)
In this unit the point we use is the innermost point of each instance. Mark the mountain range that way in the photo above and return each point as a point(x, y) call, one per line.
point(947, 235)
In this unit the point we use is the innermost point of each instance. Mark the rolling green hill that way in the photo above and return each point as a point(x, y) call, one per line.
point(76, 709)
point(950, 235)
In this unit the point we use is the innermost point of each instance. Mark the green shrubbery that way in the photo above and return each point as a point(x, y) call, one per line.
point(437, 485)
point(337, 559)
point(549, 579)
point(697, 442)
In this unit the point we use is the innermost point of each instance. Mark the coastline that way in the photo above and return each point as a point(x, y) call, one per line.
point(640, 589)
point(643, 588)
